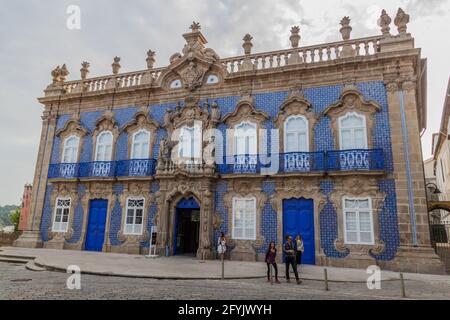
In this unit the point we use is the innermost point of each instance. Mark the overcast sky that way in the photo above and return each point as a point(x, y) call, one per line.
point(34, 39)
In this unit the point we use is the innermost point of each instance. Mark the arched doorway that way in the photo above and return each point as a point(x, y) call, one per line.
point(187, 227)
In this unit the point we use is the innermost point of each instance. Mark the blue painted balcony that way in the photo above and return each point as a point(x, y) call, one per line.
point(63, 170)
point(302, 161)
point(288, 162)
point(99, 169)
point(355, 160)
point(135, 168)
point(240, 164)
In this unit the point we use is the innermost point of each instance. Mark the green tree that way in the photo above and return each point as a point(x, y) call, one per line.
point(14, 217)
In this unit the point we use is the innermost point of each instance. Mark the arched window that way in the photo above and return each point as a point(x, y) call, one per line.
point(352, 131)
point(140, 147)
point(70, 150)
point(245, 139)
point(296, 134)
point(189, 142)
point(103, 150)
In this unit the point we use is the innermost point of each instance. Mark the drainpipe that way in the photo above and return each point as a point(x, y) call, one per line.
point(412, 212)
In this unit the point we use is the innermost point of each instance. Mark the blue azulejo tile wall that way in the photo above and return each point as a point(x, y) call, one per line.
point(46, 218)
point(319, 97)
point(388, 221)
point(329, 223)
point(268, 217)
point(116, 216)
point(152, 211)
point(77, 222)
point(221, 209)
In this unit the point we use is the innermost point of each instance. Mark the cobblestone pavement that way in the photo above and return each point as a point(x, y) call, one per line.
point(16, 282)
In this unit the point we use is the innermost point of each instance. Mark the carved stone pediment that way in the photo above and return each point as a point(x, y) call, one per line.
point(141, 120)
point(73, 126)
point(194, 62)
point(245, 110)
point(351, 99)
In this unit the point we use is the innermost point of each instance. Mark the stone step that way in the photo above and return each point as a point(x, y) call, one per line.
point(13, 260)
point(5, 255)
point(33, 267)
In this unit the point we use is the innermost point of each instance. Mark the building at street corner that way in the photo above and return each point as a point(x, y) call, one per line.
point(319, 140)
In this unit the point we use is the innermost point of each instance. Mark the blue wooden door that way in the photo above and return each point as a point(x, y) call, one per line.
point(95, 234)
point(298, 218)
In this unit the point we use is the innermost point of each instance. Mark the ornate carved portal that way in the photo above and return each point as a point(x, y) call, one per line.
point(171, 193)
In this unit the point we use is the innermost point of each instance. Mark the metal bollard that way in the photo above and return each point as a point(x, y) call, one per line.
point(402, 284)
point(325, 273)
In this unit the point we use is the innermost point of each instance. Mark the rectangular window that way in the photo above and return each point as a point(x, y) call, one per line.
point(244, 218)
point(134, 219)
point(62, 210)
point(358, 221)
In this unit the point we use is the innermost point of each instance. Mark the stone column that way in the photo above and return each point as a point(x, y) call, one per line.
point(205, 248)
point(415, 253)
point(31, 237)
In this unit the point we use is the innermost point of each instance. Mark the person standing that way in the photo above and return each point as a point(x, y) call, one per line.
point(221, 244)
point(299, 249)
point(270, 260)
point(289, 259)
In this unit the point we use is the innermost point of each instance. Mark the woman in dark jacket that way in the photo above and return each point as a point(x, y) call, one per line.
point(270, 260)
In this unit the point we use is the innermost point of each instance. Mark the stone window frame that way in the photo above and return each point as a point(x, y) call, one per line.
point(134, 190)
point(125, 215)
point(358, 115)
point(63, 190)
point(296, 116)
point(246, 189)
point(197, 124)
point(296, 105)
point(352, 100)
point(353, 187)
point(105, 123)
point(64, 148)
point(55, 208)
point(73, 127)
point(233, 204)
point(141, 121)
point(101, 134)
point(235, 135)
point(344, 213)
point(245, 111)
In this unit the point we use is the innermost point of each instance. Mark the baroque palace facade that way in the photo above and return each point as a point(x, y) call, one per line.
point(321, 141)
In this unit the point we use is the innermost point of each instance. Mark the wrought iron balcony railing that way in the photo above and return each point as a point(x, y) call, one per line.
point(302, 161)
point(355, 160)
point(103, 169)
point(291, 162)
point(63, 170)
point(239, 164)
point(135, 168)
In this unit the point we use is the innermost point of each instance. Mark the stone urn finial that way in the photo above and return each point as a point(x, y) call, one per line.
point(295, 37)
point(116, 65)
point(401, 20)
point(345, 29)
point(84, 69)
point(384, 22)
point(150, 59)
point(59, 74)
point(247, 45)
